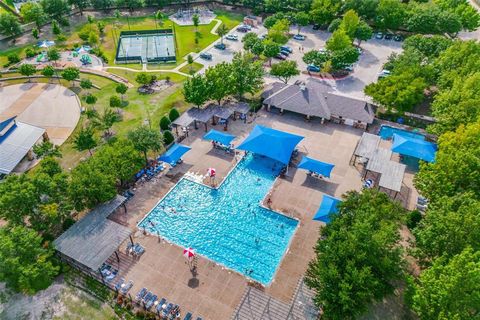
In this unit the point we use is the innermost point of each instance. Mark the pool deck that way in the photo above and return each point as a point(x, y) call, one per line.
point(215, 292)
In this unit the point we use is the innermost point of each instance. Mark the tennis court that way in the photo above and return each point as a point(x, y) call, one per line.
point(148, 46)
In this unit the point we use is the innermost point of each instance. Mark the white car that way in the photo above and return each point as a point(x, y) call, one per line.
point(232, 37)
point(384, 73)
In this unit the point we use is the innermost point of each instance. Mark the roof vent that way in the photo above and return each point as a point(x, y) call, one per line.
point(302, 87)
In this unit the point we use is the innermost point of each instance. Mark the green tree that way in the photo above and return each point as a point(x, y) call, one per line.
point(47, 149)
point(342, 58)
point(285, 70)
point(218, 81)
point(86, 84)
point(79, 4)
point(27, 70)
point(270, 21)
point(449, 289)
point(196, 21)
point(363, 32)
point(106, 120)
point(143, 78)
point(350, 22)
point(195, 90)
point(400, 92)
point(173, 114)
point(121, 159)
point(279, 31)
point(25, 262)
point(85, 140)
point(90, 99)
point(101, 28)
point(334, 25)
point(429, 46)
point(33, 12)
point(457, 162)
point(35, 33)
point(48, 72)
point(301, 19)
point(13, 58)
point(391, 14)
point(93, 39)
point(165, 123)
point(102, 4)
point(247, 74)
point(71, 74)
point(18, 199)
point(53, 55)
point(450, 225)
point(357, 256)
point(132, 4)
point(90, 185)
point(339, 41)
point(222, 31)
point(324, 11)
point(9, 25)
point(316, 58)
point(56, 9)
point(56, 28)
point(115, 102)
point(168, 137)
point(121, 89)
point(249, 40)
point(190, 63)
point(145, 139)
point(271, 50)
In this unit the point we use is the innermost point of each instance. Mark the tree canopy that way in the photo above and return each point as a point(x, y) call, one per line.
point(285, 70)
point(145, 140)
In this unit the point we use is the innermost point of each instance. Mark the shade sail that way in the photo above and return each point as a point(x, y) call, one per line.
point(271, 143)
point(413, 147)
point(328, 207)
point(317, 166)
point(174, 153)
point(223, 138)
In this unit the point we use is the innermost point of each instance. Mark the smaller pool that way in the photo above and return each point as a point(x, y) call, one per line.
point(386, 133)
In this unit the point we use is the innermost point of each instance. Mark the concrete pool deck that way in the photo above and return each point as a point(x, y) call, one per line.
point(215, 292)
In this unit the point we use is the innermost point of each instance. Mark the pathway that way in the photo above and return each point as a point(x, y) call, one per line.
point(23, 102)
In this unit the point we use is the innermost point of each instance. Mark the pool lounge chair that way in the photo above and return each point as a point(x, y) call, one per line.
point(141, 294)
point(127, 287)
point(111, 276)
point(119, 283)
point(150, 302)
point(188, 316)
point(160, 304)
point(147, 297)
point(167, 310)
point(138, 249)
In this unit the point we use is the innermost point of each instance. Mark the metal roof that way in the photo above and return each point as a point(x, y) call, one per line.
point(93, 239)
point(392, 176)
point(367, 145)
point(16, 143)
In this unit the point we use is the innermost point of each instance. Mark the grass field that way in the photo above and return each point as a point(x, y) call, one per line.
point(192, 69)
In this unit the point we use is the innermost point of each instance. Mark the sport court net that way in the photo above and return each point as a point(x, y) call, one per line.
point(148, 46)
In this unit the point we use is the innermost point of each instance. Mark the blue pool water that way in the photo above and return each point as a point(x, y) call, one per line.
point(228, 225)
point(386, 132)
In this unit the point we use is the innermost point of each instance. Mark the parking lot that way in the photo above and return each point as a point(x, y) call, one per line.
point(375, 54)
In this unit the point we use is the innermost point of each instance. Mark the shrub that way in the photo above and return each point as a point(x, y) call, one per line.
point(173, 114)
point(413, 218)
point(165, 123)
point(30, 53)
point(168, 137)
point(13, 58)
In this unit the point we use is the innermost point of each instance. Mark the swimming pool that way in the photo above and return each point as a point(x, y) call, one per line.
point(386, 132)
point(227, 224)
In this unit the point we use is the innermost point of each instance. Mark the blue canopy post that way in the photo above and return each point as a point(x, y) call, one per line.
point(223, 138)
point(328, 207)
point(322, 168)
point(275, 144)
point(174, 154)
point(414, 147)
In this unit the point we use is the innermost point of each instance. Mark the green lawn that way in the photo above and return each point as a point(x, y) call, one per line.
point(191, 69)
point(78, 305)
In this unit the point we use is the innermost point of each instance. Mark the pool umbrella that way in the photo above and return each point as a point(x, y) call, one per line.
point(211, 172)
point(188, 253)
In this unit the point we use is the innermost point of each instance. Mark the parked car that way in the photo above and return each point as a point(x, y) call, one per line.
point(389, 36)
point(384, 73)
point(220, 46)
point(206, 56)
point(349, 68)
point(284, 52)
point(313, 68)
point(316, 27)
point(359, 50)
point(281, 56)
point(322, 50)
point(242, 29)
point(232, 37)
point(300, 37)
point(379, 35)
point(286, 48)
point(263, 37)
point(398, 38)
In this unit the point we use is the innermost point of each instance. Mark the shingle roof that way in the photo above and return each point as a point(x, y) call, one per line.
point(316, 99)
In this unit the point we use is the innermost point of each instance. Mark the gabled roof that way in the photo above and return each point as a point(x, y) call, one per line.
point(6, 126)
point(316, 99)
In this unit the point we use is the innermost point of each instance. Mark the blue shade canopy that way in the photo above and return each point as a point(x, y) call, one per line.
point(328, 207)
point(317, 166)
point(174, 153)
point(416, 148)
point(223, 138)
point(271, 143)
